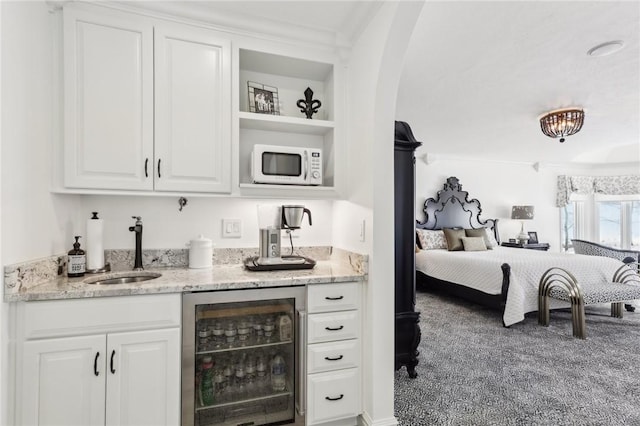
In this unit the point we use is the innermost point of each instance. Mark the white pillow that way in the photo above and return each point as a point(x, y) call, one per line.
point(431, 239)
point(490, 241)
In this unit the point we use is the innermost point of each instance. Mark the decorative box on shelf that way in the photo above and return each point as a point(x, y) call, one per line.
point(536, 246)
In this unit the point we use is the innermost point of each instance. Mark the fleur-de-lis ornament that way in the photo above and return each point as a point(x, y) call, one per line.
point(308, 105)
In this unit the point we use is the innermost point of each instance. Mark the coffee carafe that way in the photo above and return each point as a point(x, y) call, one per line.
point(292, 216)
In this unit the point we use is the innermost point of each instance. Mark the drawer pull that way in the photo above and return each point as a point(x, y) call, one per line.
point(334, 329)
point(113, 370)
point(333, 359)
point(334, 399)
point(334, 298)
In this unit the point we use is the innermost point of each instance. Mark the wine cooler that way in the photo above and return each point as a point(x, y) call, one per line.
point(242, 357)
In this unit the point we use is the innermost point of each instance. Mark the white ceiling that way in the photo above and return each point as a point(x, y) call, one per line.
point(478, 74)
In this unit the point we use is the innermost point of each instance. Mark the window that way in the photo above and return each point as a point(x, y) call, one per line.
point(592, 211)
point(610, 223)
point(617, 222)
point(573, 219)
point(567, 221)
point(608, 220)
point(635, 225)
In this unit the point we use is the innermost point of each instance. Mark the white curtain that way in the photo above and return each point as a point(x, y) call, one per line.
point(608, 185)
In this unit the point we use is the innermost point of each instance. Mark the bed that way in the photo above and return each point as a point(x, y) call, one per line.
point(501, 277)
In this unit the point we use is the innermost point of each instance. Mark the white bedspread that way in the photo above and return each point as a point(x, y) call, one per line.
point(481, 270)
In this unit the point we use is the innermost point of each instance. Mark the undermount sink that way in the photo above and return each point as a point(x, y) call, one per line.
point(123, 278)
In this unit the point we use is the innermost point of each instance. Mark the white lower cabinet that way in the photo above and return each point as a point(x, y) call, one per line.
point(333, 395)
point(143, 377)
point(109, 377)
point(333, 354)
point(59, 386)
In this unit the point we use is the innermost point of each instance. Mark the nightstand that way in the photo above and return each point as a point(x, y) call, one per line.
point(536, 246)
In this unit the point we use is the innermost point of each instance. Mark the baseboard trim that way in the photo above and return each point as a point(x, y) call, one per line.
point(366, 420)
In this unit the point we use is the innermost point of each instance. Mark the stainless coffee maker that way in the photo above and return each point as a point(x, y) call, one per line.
point(288, 218)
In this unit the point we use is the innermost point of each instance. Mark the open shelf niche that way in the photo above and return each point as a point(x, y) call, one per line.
point(290, 127)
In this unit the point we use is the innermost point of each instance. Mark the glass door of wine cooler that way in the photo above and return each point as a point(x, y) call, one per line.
point(240, 357)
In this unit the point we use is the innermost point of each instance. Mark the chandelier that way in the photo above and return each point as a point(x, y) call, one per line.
point(562, 122)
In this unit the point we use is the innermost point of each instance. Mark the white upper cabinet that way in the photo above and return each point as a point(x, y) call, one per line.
point(193, 114)
point(108, 79)
point(120, 70)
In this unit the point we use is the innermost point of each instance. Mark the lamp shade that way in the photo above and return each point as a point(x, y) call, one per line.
point(522, 212)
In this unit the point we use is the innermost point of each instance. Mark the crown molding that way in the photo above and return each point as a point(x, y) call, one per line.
point(204, 13)
point(430, 158)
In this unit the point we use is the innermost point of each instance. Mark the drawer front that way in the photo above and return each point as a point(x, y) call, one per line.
point(333, 356)
point(333, 396)
point(333, 326)
point(333, 297)
point(57, 318)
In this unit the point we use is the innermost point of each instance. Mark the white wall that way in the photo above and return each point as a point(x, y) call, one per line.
point(166, 227)
point(500, 185)
point(34, 222)
point(375, 66)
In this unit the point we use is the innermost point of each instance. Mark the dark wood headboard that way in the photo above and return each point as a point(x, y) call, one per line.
point(452, 209)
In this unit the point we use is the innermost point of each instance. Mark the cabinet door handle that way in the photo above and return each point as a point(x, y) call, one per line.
point(95, 364)
point(334, 298)
point(159, 159)
point(146, 167)
point(334, 358)
point(334, 329)
point(334, 399)
point(113, 371)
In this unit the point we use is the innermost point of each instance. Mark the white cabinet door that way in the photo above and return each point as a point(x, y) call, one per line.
point(143, 378)
point(193, 110)
point(108, 79)
point(63, 381)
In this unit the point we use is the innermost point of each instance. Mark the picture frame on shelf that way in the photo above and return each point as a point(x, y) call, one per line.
point(533, 237)
point(263, 99)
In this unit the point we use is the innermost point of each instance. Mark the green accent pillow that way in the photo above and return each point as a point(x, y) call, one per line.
point(453, 237)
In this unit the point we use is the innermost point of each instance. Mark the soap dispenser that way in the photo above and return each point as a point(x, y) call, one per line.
point(77, 261)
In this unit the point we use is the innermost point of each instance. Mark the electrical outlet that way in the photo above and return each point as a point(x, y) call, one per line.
point(231, 228)
point(362, 230)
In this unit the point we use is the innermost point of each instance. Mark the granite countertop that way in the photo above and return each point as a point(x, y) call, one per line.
point(182, 279)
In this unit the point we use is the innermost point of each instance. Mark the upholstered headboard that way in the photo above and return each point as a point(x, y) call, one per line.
point(452, 209)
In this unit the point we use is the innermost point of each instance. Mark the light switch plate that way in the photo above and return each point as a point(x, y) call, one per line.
point(231, 228)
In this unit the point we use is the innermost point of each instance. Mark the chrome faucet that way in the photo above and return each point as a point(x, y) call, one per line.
point(138, 230)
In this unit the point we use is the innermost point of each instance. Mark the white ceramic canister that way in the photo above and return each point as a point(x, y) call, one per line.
point(200, 253)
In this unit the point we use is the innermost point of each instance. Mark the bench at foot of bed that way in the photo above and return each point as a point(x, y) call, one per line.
point(558, 283)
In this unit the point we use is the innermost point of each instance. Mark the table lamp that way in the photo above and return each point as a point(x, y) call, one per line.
point(522, 213)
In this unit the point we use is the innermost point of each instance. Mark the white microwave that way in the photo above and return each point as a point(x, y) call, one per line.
point(286, 165)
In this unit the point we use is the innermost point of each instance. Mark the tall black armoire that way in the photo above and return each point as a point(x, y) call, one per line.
point(407, 329)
